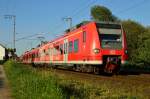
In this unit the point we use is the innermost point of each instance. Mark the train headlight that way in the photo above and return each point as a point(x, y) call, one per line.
point(96, 50)
point(126, 51)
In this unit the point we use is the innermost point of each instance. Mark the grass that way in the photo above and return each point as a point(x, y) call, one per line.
point(30, 83)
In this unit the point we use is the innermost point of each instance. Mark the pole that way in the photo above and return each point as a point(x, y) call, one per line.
point(14, 28)
point(70, 22)
point(69, 19)
point(14, 36)
point(14, 31)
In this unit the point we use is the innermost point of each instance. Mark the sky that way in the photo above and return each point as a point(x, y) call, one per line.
point(45, 18)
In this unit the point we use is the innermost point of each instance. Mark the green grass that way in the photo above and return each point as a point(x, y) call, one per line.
point(28, 84)
point(32, 83)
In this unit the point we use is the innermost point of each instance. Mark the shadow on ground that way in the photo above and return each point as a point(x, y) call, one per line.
point(134, 71)
point(1, 82)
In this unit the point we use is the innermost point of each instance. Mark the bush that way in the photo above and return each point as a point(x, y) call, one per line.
point(138, 39)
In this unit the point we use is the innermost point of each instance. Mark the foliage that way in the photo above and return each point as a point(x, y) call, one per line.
point(144, 48)
point(133, 30)
point(138, 39)
point(101, 13)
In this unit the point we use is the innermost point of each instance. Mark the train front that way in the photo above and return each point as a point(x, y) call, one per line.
point(113, 46)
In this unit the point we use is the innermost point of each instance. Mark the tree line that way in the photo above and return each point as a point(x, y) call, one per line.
point(138, 35)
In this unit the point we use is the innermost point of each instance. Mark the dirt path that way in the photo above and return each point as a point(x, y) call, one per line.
point(4, 88)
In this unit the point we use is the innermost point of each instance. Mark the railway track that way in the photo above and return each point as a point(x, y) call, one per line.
point(122, 76)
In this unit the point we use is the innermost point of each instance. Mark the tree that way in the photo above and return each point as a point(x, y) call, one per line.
point(101, 13)
point(135, 39)
point(143, 55)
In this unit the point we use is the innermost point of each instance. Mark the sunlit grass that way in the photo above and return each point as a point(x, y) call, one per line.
point(32, 83)
point(28, 84)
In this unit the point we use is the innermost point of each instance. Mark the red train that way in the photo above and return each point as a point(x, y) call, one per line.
point(90, 47)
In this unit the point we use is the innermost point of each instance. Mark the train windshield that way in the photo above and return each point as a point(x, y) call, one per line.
point(110, 35)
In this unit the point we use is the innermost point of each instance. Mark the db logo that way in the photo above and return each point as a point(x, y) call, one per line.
point(112, 52)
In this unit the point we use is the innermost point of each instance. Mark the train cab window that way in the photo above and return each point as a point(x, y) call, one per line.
point(110, 35)
point(70, 46)
point(76, 45)
point(84, 36)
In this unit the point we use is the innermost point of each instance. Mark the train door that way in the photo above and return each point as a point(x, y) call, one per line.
point(40, 55)
point(65, 50)
point(83, 47)
point(51, 55)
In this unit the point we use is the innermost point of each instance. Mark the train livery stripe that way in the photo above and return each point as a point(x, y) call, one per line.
point(72, 62)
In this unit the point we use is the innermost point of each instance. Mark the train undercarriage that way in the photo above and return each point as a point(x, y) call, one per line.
point(111, 65)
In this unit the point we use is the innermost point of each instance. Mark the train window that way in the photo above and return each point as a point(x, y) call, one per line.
point(50, 52)
point(65, 48)
point(44, 51)
point(70, 46)
point(32, 55)
point(54, 51)
point(108, 26)
point(36, 55)
point(47, 52)
point(84, 36)
point(61, 48)
point(76, 45)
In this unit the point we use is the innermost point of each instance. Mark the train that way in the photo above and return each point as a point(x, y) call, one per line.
point(88, 47)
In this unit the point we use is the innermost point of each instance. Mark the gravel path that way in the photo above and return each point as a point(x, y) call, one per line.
point(4, 88)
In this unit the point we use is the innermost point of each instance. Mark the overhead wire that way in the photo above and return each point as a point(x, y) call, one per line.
point(83, 8)
point(56, 28)
point(133, 6)
point(29, 36)
point(74, 10)
point(78, 12)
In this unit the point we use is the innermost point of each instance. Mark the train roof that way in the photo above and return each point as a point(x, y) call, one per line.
point(70, 30)
point(80, 25)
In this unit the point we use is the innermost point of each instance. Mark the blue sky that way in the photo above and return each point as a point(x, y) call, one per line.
point(45, 17)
